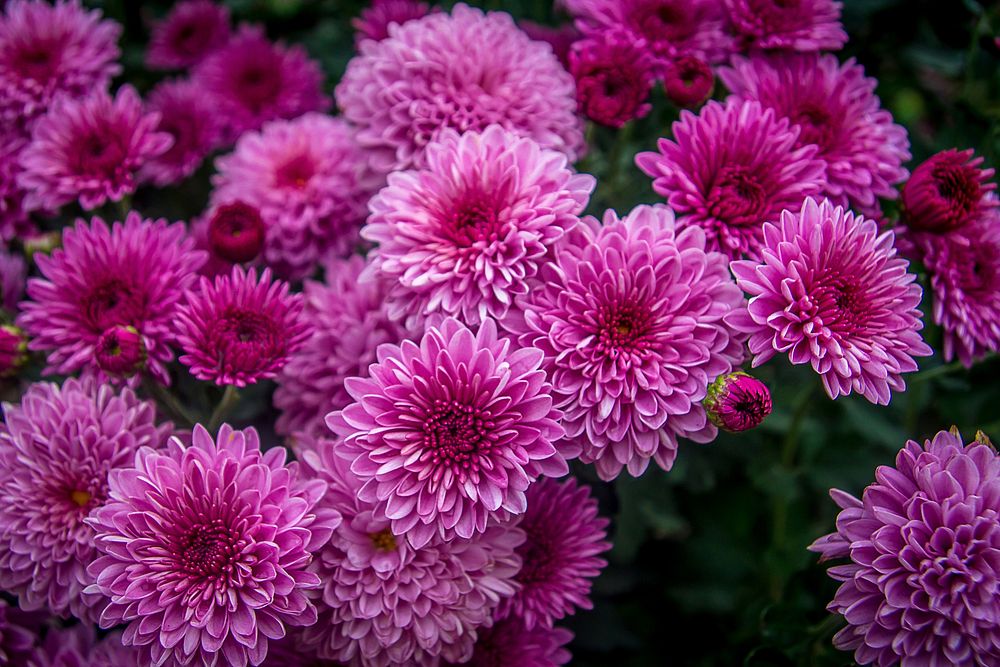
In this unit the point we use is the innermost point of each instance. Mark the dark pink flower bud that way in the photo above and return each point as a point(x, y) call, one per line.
point(688, 81)
point(947, 191)
point(737, 402)
point(613, 75)
point(120, 351)
point(236, 232)
point(13, 350)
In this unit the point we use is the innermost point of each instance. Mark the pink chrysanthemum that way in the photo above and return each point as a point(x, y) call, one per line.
point(923, 576)
point(450, 433)
point(466, 235)
point(57, 449)
point(834, 107)
point(89, 150)
point(310, 182)
point(560, 556)
point(671, 28)
point(191, 120)
point(948, 191)
point(629, 318)
point(253, 80)
point(79, 647)
point(133, 274)
point(465, 71)
point(47, 51)
point(239, 330)
point(509, 643)
point(731, 168)
point(13, 272)
point(614, 75)
point(14, 222)
point(18, 634)
point(802, 25)
point(349, 322)
point(387, 603)
point(375, 20)
point(829, 290)
point(207, 549)
point(192, 30)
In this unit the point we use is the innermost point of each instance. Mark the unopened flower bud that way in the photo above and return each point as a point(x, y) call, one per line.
point(120, 351)
point(737, 402)
point(13, 350)
point(236, 232)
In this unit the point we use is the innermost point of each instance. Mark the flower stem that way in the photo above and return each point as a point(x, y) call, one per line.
point(230, 399)
point(123, 206)
point(168, 402)
point(937, 371)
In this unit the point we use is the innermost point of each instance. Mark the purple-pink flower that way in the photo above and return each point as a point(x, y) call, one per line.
point(376, 19)
point(737, 402)
point(614, 74)
point(922, 577)
point(466, 235)
point(801, 25)
point(947, 191)
point(731, 168)
point(57, 448)
point(79, 646)
point(207, 549)
point(830, 291)
point(509, 643)
point(448, 434)
point(89, 150)
point(192, 30)
point(465, 70)
point(131, 274)
point(238, 329)
point(629, 318)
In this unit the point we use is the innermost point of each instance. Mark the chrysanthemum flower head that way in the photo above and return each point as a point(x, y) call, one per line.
point(376, 19)
point(57, 448)
point(238, 329)
point(614, 74)
point(206, 549)
point(78, 646)
point(89, 150)
point(948, 191)
point(629, 318)
point(834, 107)
point(131, 274)
point(192, 30)
point(509, 643)
point(449, 433)
point(466, 235)
point(465, 70)
point(802, 25)
point(731, 168)
point(688, 81)
point(309, 180)
point(830, 291)
point(923, 575)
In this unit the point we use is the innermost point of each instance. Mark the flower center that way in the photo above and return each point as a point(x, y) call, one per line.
point(663, 20)
point(258, 85)
point(960, 187)
point(190, 40)
point(99, 153)
point(457, 435)
point(816, 125)
point(296, 172)
point(383, 540)
point(839, 303)
point(112, 302)
point(537, 556)
point(737, 197)
point(209, 549)
point(236, 232)
point(80, 498)
point(474, 219)
point(978, 269)
point(36, 61)
point(246, 333)
point(622, 329)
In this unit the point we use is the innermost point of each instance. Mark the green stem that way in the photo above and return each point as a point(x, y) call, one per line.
point(168, 402)
point(937, 371)
point(124, 205)
point(230, 399)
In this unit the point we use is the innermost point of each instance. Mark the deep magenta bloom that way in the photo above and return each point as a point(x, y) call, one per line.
point(133, 274)
point(629, 318)
point(948, 191)
point(834, 107)
point(14, 222)
point(561, 555)
point(688, 81)
point(375, 20)
point(737, 402)
point(466, 235)
point(386, 602)
point(731, 168)
point(253, 80)
point(614, 75)
point(89, 150)
point(120, 351)
point(236, 232)
point(923, 576)
point(801, 25)
point(349, 322)
point(207, 549)
point(57, 448)
point(51, 50)
point(310, 182)
point(192, 30)
point(465, 71)
point(239, 330)
point(508, 643)
point(18, 634)
point(829, 290)
point(78, 646)
point(449, 433)
point(191, 120)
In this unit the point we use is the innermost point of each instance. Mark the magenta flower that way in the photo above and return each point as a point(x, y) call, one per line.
point(508, 643)
point(466, 235)
point(133, 274)
point(731, 168)
point(688, 81)
point(57, 448)
point(89, 150)
point(629, 318)
point(450, 433)
point(207, 549)
point(803, 25)
point(13, 272)
point(191, 31)
point(18, 634)
point(830, 291)
point(253, 80)
point(614, 75)
point(834, 107)
point(14, 222)
point(385, 602)
point(737, 402)
point(239, 330)
point(948, 191)
point(921, 583)
point(235, 232)
point(120, 351)
point(561, 555)
point(78, 646)
point(191, 120)
point(51, 50)
point(465, 70)
point(310, 182)
point(348, 323)
point(376, 19)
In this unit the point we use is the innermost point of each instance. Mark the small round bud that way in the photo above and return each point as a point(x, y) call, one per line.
point(688, 81)
point(120, 351)
point(737, 402)
point(42, 243)
point(236, 232)
point(947, 191)
point(13, 350)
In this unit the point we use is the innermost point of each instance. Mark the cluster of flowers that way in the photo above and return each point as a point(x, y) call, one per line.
point(473, 331)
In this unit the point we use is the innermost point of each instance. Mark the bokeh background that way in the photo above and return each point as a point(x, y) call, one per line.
point(710, 564)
